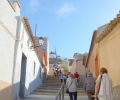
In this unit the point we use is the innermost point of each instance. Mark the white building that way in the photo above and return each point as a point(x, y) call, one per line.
point(76, 65)
point(8, 28)
point(32, 78)
point(20, 70)
point(59, 57)
point(52, 55)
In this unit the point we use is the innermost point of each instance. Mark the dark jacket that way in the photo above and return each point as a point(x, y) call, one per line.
point(89, 83)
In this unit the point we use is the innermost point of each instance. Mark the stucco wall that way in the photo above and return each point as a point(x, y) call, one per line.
point(72, 68)
point(81, 70)
point(32, 81)
point(7, 42)
point(5, 90)
point(91, 63)
point(109, 51)
point(7, 47)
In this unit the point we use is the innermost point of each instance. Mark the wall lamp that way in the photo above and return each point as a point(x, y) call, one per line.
point(41, 41)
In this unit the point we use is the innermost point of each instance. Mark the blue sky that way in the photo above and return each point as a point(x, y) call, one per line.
point(69, 24)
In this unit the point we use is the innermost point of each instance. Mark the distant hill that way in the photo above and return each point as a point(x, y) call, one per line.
point(54, 60)
point(63, 64)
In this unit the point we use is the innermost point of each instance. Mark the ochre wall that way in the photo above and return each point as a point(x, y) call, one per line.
point(109, 53)
point(5, 91)
point(79, 67)
point(91, 63)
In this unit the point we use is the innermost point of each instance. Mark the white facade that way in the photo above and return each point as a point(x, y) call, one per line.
point(7, 40)
point(15, 42)
point(33, 67)
point(52, 55)
point(8, 28)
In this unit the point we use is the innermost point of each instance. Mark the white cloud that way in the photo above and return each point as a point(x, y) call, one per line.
point(33, 6)
point(65, 10)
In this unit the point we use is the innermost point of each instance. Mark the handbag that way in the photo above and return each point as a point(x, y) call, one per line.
point(99, 88)
point(67, 90)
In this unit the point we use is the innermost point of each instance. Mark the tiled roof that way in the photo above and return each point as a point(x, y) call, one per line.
point(43, 57)
point(109, 28)
point(32, 38)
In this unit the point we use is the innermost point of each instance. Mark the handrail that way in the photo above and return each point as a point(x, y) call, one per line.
point(59, 92)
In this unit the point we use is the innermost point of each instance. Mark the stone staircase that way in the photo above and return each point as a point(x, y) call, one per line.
point(51, 87)
point(53, 90)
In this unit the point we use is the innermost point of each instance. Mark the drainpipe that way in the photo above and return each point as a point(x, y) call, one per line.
point(15, 53)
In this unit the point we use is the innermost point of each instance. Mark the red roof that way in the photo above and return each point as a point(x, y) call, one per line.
point(43, 57)
point(41, 54)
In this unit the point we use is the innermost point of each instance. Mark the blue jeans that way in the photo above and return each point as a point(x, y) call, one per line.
point(71, 94)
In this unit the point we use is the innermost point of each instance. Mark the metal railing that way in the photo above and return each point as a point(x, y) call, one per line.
point(61, 91)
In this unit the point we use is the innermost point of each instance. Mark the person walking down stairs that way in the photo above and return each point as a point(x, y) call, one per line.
point(61, 78)
point(64, 78)
point(77, 76)
point(72, 84)
point(89, 86)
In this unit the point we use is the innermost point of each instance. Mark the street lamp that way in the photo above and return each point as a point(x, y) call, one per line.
point(40, 40)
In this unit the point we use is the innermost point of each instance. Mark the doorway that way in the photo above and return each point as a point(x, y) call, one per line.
point(23, 76)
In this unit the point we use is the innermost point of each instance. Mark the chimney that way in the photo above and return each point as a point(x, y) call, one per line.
point(16, 5)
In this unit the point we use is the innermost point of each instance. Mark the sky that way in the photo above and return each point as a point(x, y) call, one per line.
point(68, 24)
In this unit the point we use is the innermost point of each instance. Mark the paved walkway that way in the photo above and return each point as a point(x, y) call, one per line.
point(49, 97)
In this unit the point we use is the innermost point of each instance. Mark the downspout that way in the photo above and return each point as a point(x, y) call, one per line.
point(15, 53)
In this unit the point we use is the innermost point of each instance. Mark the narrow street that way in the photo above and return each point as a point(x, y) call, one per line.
point(46, 43)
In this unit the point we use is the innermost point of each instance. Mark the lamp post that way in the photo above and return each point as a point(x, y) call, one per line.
point(40, 40)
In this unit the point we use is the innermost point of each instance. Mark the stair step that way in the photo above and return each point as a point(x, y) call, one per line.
point(54, 88)
point(52, 85)
point(55, 91)
point(41, 93)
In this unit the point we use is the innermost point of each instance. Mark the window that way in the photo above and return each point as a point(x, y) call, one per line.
point(40, 73)
point(34, 69)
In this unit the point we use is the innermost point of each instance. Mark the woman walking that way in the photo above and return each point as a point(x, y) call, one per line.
point(64, 78)
point(72, 84)
point(103, 86)
point(61, 78)
point(89, 86)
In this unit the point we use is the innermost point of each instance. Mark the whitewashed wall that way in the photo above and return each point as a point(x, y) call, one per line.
point(32, 81)
point(8, 18)
point(52, 55)
point(11, 27)
point(8, 35)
